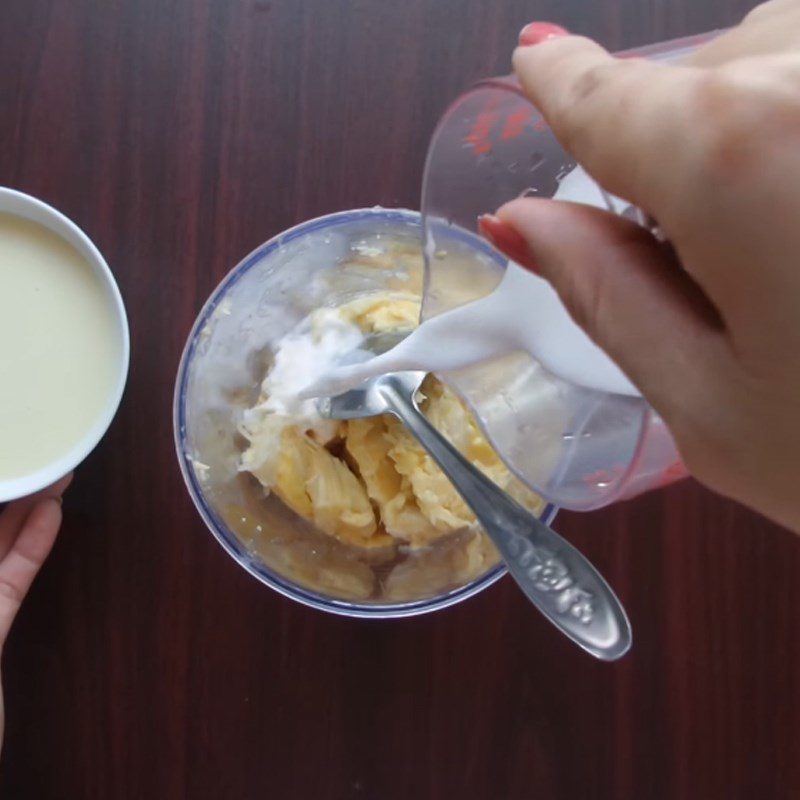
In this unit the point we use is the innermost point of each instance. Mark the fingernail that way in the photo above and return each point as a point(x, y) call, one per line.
point(506, 240)
point(537, 32)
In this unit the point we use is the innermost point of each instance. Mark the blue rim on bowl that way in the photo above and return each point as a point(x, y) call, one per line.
point(222, 533)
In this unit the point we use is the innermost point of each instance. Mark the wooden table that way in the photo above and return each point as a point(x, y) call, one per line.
point(180, 134)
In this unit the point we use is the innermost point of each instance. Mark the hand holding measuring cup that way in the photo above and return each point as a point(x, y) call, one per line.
point(707, 326)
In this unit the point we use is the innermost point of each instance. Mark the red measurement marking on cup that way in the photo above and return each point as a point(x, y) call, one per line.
point(480, 134)
point(516, 122)
point(489, 119)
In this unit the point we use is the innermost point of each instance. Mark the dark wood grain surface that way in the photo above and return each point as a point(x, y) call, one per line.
point(180, 134)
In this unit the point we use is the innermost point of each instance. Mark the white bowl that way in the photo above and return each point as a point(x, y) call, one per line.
point(27, 207)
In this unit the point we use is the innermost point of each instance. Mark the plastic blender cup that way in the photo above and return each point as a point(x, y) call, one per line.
point(254, 307)
point(579, 448)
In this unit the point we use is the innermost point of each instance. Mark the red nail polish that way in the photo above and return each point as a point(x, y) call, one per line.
point(537, 32)
point(506, 240)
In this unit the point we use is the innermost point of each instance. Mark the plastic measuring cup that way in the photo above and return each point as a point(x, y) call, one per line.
point(580, 448)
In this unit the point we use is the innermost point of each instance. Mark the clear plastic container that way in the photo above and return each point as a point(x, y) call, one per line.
point(259, 301)
point(579, 448)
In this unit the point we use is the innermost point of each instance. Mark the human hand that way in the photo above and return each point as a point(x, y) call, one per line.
point(708, 326)
point(28, 529)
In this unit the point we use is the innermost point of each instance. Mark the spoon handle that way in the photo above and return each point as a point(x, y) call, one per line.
point(554, 575)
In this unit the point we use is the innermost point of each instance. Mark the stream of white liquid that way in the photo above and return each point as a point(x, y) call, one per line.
point(522, 313)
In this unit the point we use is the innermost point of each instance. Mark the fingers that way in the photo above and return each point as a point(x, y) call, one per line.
point(626, 290)
point(619, 118)
point(25, 557)
point(12, 517)
point(28, 528)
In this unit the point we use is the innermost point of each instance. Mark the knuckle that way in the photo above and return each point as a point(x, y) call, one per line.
point(10, 591)
point(598, 92)
point(736, 114)
point(584, 86)
point(583, 294)
point(725, 139)
point(590, 82)
point(592, 294)
point(583, 91)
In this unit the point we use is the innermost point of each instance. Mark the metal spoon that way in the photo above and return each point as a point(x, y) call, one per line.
point(554, 575)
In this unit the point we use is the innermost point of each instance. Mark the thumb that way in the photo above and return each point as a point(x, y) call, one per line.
point(626, 289)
